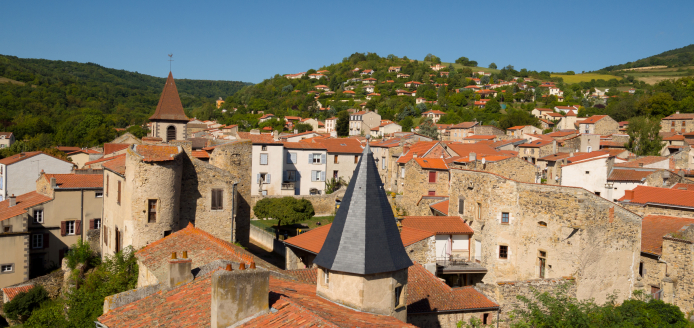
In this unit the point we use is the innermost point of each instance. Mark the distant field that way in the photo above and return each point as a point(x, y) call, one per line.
point(654, 75)
point(5, 80)
point(585, 77)
point(474, 69)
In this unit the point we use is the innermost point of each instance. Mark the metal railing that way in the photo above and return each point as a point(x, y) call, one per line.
point(288, 186)
point(457, 260)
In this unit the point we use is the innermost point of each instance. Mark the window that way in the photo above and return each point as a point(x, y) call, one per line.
point(317, 175)
point(383, 163)
point(335, 160)
point(263, 178)
point(118, 198)
point(356, 159)
point(597, 193)
point(461, 206)
point(432, 176)
point(641, 269)
point(291, 158)
point(503, 252)
point(38, 216)
point(37, 241)
point(398, 297)
point(485, 319)
point(6, 268)
point(316, 159)
point(263, 148)
point(96, 224)
point(587, 172)
point(217, 199)
point(98, 194)
point(542, 223)
point(432, 193)
point(7, 229)
point(326, 277)
point(335, 175)
point(504, 218)
point(672, 123)
point(263, 159)
point(170, 133)
point(152, 211)
point(70, 227)
point(479, 211)
point(291, 175)
point(402, 172)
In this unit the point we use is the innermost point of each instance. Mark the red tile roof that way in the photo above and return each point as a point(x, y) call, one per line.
point(629, 175)
point(12, 292)
point(584, 156)
point(544, 109)
point(117, 164)
point(156, 153)
point(22, 156)
point(481, 137)
point(77, 180)
point(555, 157)
point(432, 163)
point(654, 227)
point(303, 145)
point(463, 125)
point(24, 201)
point(420, 148)
point(169, 106)
point(338, 145)
point(84, 151)
point(645, 160)
point(464, 149)
point(440, 225)
point(683, 186)
point(535, 144)
point(200, 154)
point(112, 147)
point(437, 112)
point(258, 139)
point(653, 195)
point(560, 134)
point(67, 149)
point(685, 116)
point(441, 207)
point(612, 144)
point(593, 119)
point(103, 159)
point(674, 138)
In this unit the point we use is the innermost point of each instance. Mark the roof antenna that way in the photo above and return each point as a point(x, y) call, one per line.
point(170, 60)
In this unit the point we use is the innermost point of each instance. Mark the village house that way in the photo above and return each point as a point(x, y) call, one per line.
point(568, 122)
point(316, 76)
point(394, 69)
point(369, 80)
point(521, 130)
point(599, 124)
point(386, 128)
point(682, 123)
point(169, 120)
point(343, 154)
point(533, 150)
point(369, 88)
point(645, 200)
point(539, 112)
point(322, 87)
point(403, 76)
point(36, 228)
point(295, 76)
point(18, 173)
point(438, 67)
point(460, 131)
point(82, 156)
point(303, 171)
point(266, 117)
point(6, 139)
point(546, 124)
point(435, 115)
point(330, 124)
point(361, 123)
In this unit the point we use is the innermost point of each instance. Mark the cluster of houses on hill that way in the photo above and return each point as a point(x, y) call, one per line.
point(455, 227)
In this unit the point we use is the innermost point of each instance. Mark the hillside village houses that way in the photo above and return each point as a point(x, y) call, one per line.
point(6, 139)
point(18, 173)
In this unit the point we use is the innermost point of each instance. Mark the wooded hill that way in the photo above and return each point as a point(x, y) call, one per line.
point(672, 58)
point(79, 104)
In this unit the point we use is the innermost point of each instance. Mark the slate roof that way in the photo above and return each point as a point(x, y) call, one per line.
point(170, 107)
point(77, 180)
point(654, 227)
point(364, 238)
point(24, 201)
point(11, 292)
point(440, 225)
point(663, 196)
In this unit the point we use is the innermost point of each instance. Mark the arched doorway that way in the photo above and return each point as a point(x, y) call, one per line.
point(171, 133)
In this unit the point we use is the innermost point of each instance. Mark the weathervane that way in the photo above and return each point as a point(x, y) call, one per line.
point(170, 60)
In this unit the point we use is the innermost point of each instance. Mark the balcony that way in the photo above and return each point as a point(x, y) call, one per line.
point(454, 264)
point(287, 185)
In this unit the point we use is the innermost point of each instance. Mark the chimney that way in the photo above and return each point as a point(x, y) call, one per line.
point(628, 194)
point(239, 295)
point(54, 184)
point(275, 135)
point(472, 156)
point(296, 131)
point(255, 131)
point(179, 270)
point(13, 201)
point(554, 146)
point(677, 112)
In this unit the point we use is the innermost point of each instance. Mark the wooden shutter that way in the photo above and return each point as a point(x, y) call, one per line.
point(432, 176)
point(356, 159)
point(46, 237)
point(78, 227)
point(322, 176)
point(91, 224)
point(63, 228)
point(215, 201)
point(118, 198)
point(310, 158)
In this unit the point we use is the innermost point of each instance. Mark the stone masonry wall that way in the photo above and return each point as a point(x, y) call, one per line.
point(657, 210)
point(606, 126)
point(446, 320)
point(679, 253)
point(579, 234)
point(513, 168)
point(417, 185)
point(423, 251)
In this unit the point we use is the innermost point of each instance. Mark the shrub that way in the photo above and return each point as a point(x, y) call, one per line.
point(22, 305)
point(287, 210)
point(81, 253)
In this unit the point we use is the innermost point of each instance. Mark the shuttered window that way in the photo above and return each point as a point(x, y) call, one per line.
point(461, 206)
point(263, 159)
point(432, 176)
point(217, 199)
point(118, 198)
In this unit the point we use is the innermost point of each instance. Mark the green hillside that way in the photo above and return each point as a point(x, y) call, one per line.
point(80, 104)
point(673, 58)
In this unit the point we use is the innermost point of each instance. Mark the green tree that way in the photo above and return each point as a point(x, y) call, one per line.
point(492, 65)
point(22, 305)
point(407, 124)
point(644, 137)
point(342, 125)
point(428, 128)
point(286, 210)
point(492, 106)
point(303, 127)
point(517, 117)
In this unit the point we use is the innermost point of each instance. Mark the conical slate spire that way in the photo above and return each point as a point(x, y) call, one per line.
point(170, 107)
point(364, 237)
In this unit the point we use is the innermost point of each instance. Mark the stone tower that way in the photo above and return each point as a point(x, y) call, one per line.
point(169, 121)
point(363, 264)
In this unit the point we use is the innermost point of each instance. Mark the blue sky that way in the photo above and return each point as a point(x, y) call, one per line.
point(253, 40)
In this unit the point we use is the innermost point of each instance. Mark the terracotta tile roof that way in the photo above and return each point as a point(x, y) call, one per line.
point(426, 293)
point(546, 121)
point(645, 160)
point(169, 106)
point(536, 144)
point(432, 163)
point(11, 292)
point(117, 164)
point(685, 116)
point(7, 135)
point(103, 159)
point(67, 149)
point(113, 147)
point(306, 276)
point(585, 156)
point(481, 137)
point(24, 201)
point(674, 138)
point(200, 154)
point(202, 248)
point(593, 119)
point(156, 153)
point(653, 195)
point(339, 145)
point(19, 157)
point(654, 227)
point(464, 149)
point(464, 125)
point(683, 186)
point(77, 180)
point(440, 225)
point(441, 207)
point(612, 144)
point(419, 148)
point(615, 151)
point(258, 139)
point(555, 115)
point(629, 175)
point(517, 127)
point(84, 151)
point(554, 157)
point(303, 145)
point(560, 134)
point(438, 112)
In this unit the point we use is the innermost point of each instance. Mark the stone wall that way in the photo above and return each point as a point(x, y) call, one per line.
point(513, 168)
point(578, 233)
point(423, 251)
point(94, 240)
point(298, 258)
point(570, 145)
point(505, 293)
point(657, 210)
point(606, 126)
point(680, 159)
point(489, 130)
point(417, 185)
point(267, 240)
point(447, 320)
point(678, 282)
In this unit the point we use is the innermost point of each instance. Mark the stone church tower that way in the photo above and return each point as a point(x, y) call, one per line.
point(169, 121)
point(363, 264)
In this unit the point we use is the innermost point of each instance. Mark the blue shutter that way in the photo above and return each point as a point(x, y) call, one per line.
point(268, 178)
point(294, 161)
point(322, 159)
point(310, 158)
point(322, 176)
point(258, 179)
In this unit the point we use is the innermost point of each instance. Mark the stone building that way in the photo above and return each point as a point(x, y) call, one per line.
point(361, 123)
point(533, 150)
point(682, 123)
point(645, 200)
point(460, 131)
point(38, 227)
point(169, 120)
point(508, 166)
point(528, 231)
point(666, 258)
point(599, 124)
point(423, 177)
